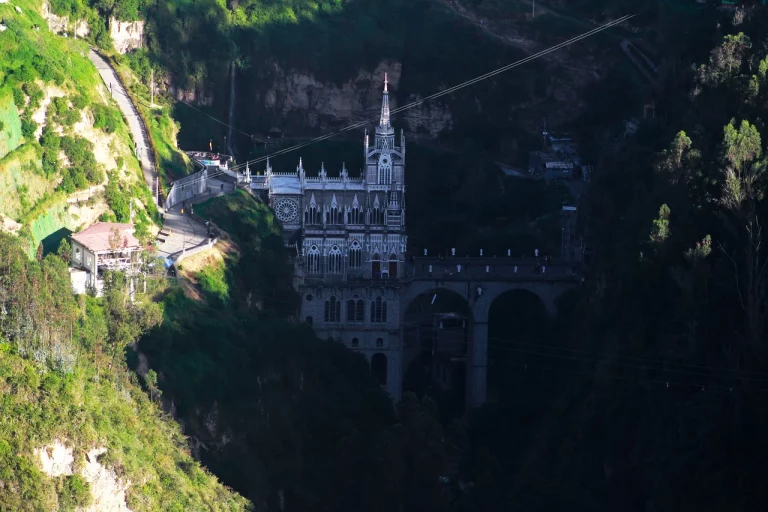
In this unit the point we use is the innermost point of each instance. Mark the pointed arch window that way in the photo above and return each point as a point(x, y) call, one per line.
point(334, 215)
point(313, 216)
point(355, 255)
point(377, 216)
point(379, 311)
point(313, 260)
point(354, 215)
point(333, 310)
point(355, 310)
point(376, 266)
point(385, 169)
point(392, 266)
point(334, 260)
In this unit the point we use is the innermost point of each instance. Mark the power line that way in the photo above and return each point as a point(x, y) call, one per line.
point(631, 358)
point(666, 383)
point(431, 97)
point(249, 135)
point(451, 89)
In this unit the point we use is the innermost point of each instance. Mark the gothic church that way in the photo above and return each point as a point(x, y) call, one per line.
point(351, 241)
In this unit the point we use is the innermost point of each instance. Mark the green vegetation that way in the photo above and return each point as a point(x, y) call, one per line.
point(76, 492)
point(106, 118)
point(35, 65)
point(306, 426)
point(62, 377)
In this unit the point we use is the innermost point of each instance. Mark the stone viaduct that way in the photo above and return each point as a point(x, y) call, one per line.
point(480, 281)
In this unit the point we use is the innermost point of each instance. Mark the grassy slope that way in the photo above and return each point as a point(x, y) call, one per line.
point(27, 56)
point(61, 378)
point(87, 410)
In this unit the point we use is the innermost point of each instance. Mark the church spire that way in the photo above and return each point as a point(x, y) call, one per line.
point(385, 127)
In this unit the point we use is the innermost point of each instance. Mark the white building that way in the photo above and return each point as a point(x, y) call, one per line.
point(350, 242)
point(101, 247)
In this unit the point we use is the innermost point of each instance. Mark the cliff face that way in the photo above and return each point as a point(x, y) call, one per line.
point(304, 100)
point(126, 35)
point(59, 24)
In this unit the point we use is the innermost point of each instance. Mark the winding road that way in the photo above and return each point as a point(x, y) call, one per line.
point(185, 231)
point(131, 114)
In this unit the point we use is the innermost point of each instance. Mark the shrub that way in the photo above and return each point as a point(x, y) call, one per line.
point(35, 94)
point(18, 98)
point(117, 202)
point(106, 118)
point(28, 128)
point(75, 493)
point(80, 101)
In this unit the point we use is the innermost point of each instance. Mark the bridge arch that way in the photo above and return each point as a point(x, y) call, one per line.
point(435, 327)
point(379, 368)
point(480, 293)
point(517, 319)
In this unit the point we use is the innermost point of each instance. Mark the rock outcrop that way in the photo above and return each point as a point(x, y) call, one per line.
point(304, 99)
point(62, 24)
point(126, 35)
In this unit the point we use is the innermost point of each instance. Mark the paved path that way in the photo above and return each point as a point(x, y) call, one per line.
point(186, 232)
point(135, 124)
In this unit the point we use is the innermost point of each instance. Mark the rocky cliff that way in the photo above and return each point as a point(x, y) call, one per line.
point(126, 35)
point(62, 24)
point(305, 100)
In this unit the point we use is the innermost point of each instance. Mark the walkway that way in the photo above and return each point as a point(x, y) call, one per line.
point(131, 114)
point(186, 232)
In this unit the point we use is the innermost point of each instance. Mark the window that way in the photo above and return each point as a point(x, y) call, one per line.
point(377, 217)
point(355, 311)
point(333, 310)
point(354, 216)
point(312, 216)
point(355, 255)
point(313, 260)
point(309, 297)
point(379, 310)
point(309, 320)
point(355, 343)
point(335, 216)
point(379, 343)
point(334, 260)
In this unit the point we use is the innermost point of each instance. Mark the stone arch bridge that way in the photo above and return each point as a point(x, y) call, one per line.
point(480, 281)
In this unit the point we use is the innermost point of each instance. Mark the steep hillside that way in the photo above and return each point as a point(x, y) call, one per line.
point(66, 156)
point(76, 428)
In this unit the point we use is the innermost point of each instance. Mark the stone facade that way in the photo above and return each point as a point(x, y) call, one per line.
point(350, 241)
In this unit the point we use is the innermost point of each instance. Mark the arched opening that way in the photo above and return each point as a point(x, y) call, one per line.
point(355, 343)
point(519, 332)
point(355, 255)
point(379, 368)
point(393, 266)
point(437, 326)
point(333, 310)
point(376, 266)
point(334, 260)
point(313, 260)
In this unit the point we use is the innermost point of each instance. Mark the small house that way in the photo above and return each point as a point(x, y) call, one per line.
point(102, 247)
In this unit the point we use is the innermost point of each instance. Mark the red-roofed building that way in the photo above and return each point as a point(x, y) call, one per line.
point(105, 246)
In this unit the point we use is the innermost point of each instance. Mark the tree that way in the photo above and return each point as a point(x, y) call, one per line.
point(743, 188)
